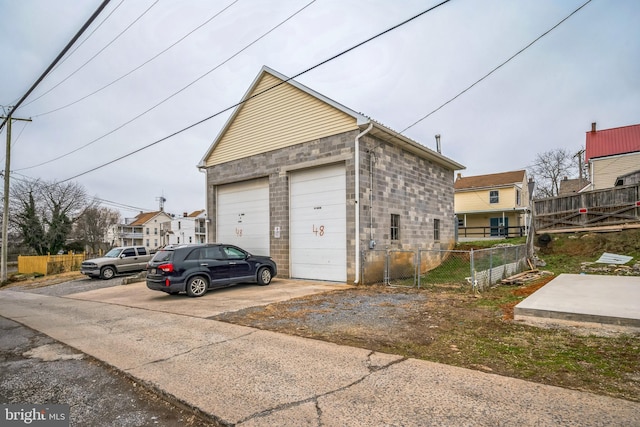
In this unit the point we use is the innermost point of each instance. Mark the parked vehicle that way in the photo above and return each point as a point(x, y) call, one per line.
point(195, 269)
point(126, 259)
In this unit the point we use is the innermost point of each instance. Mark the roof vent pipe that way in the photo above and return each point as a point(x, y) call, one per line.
point(593, 127)
point(438, 144)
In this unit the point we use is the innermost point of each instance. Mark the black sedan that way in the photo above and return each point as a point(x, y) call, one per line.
point(195, 269)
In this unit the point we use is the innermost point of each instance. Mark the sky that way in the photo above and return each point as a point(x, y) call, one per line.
point(124, 86)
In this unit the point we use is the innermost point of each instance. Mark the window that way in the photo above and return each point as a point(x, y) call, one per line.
point(142, 250)
point(155, 231)
point(395, 227)
point(460, 222)
point(436, 230)
point(147, 230)
point(129, 252)
point(195, 254)
point(233, 253)
point(179, 225)
point(212, 252)
point(517, 197)
point(493, 196)
point(190, 239)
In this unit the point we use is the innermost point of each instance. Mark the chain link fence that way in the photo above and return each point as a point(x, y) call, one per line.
point(478, 269)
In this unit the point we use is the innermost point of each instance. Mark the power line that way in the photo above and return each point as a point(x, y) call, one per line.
point(98, 53)
point(139, 66)
point(262, 92)
point(175, 93)
point(30, 180)
point(70, 54)
point(496, 68)
point(55, 61)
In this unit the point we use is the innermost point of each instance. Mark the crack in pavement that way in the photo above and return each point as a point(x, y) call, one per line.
point(191, 350)
point(314, 399)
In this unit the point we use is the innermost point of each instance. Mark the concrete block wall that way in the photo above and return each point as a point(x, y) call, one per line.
point(275, 165)
point(416, 189)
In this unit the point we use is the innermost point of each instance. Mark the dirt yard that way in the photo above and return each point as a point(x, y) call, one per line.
point(452, 325)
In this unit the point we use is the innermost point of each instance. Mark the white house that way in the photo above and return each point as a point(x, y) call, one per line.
point(189, 228)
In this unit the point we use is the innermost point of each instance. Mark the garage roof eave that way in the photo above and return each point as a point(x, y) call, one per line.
point(414, 147)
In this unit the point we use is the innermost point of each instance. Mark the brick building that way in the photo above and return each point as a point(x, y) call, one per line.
point(310, 182)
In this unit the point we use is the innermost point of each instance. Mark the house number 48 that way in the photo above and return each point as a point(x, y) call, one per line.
point(318, 231)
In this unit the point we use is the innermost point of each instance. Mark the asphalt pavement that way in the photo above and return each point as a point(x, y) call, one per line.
point(248, 377)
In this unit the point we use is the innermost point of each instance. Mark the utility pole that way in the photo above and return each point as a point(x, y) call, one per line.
point(5, 212)
point(579, 156)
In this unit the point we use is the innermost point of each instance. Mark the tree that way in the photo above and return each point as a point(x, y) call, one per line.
point(93, 223)
point(29, 224)
point(549, 169)
point(44, 212)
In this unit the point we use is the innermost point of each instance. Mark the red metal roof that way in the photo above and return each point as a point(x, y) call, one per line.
point(609, 142)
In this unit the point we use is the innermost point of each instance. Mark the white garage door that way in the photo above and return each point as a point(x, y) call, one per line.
point(243, 215)
point(318, 224)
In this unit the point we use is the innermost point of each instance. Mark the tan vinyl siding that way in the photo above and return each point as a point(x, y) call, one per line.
point(606, 170)
point(279, 118)
point(484, 219)
point(476, 201)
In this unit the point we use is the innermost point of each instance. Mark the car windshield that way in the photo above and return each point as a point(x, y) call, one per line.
point(113, 253)
point(162, 256)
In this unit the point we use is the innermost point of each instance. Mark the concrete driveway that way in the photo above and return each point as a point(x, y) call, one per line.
point(214, 302)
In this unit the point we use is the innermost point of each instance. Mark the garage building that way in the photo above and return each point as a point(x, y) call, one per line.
point(281, 181)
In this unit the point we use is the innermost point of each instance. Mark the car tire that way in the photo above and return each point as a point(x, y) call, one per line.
point(196, 286)
point(107, 273)
point(264, 276)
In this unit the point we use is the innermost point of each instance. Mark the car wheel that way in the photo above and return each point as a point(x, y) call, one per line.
point(196, 286)
point(107, 273)
point(264, 276)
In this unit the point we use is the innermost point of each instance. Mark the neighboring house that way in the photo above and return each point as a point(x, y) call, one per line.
point(611, 154)
point(190, 228)
point(142, 230)
point(314, 184)
point(494, 205)
point(628, 179)
point(573, 186)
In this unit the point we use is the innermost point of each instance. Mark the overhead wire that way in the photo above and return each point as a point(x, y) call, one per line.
point(496, 68)
point(139, 66)
point(29, 180)
point(344, 52)
point(56, 60)
point(77, 46)
point(97, 54)
point(175, 93)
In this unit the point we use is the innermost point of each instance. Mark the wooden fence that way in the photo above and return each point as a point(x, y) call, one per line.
point(609, 208)
point(49, 264)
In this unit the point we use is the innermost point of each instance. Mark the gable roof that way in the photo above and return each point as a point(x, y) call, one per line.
point(571, 186)
point(144, 217)
point(610, 142)
point(491, 180)
point(267, 84)
point(195, 214)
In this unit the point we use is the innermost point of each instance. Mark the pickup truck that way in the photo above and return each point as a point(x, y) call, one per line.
point(126, 259)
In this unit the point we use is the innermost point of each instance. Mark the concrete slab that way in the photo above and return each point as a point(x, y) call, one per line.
point(214, 302)
point(589, 299)
point(247, 377)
